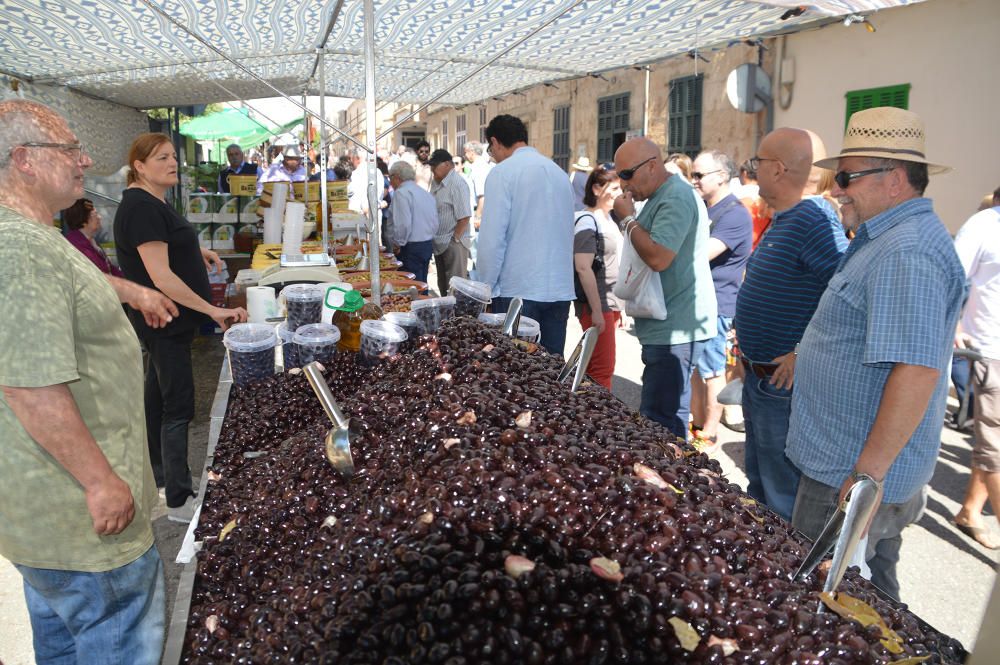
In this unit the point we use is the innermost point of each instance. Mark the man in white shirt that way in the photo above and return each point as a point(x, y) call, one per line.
point(289, 169)
point(526, 240)
point(357, 188)
point(978, 247)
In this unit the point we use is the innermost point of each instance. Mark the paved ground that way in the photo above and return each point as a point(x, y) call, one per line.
point(945, 577)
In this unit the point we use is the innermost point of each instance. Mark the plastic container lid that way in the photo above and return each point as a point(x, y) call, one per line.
point(402, 319)
point(492, 319)
point(250, 337)
point(383, 330)
point(528, 327)
point(302, 293)
point(476, 290)
point(347, 301)
point(316, 334)
point(443, 301)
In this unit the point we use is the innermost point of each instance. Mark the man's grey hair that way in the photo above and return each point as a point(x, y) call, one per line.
point(359, 152)
point(19, 124)
point(234, 145)
point(723, 162)
point(916, 173)
point(476, 147)
point(402, 170)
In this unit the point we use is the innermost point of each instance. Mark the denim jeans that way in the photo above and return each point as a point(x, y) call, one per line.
point(815, 502)
point(110, 618)
point(416, 258)
point(169, 402)
point(666, 383)
point(960, 380)
point(772, 478)
point(551, 316)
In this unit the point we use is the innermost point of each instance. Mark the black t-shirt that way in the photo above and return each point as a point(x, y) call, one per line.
point(143, 218)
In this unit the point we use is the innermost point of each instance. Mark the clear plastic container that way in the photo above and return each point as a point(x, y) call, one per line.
point(432, 312)
point(251, 351)
point(529, 330)
point(471, 297)
point(380, 340)
point(304, 303)
point(316, 341)
point(410, 324)
point(289, 352)
point(491, 319)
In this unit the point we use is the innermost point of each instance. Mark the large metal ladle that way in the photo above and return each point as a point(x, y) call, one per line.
point(513, 318)
point(341, 435)
point(580, 359)
point(845, 527)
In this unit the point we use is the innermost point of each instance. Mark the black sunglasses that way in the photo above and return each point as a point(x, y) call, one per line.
point(626, 174)
point(697, 175)
point(844, 178)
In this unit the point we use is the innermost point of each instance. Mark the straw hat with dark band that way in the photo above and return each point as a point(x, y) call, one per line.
point(885, 133)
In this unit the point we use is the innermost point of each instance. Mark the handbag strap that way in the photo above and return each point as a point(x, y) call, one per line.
point(599, 238)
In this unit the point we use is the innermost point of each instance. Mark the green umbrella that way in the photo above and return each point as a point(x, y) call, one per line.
point(228, 123)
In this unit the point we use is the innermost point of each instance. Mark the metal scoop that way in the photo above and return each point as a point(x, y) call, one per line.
point(513, 318)
point(579, 359)
point(341, 435)
point(844, 528)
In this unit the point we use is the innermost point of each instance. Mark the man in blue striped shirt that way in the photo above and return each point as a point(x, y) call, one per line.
point(872, 379)
point(785, 277)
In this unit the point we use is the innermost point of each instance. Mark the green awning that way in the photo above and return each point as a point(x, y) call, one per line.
point(260, 135)
point(232, 124)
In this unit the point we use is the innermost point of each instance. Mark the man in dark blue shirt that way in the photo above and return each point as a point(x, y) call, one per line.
point(730, 239)
point(785, 277)
point(237, 166)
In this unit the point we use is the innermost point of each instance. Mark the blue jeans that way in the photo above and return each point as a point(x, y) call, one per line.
point(551, 316)
point(772, 478)
point(416, 258)
point(113, 617)
point(666, 383)
point(960, 379)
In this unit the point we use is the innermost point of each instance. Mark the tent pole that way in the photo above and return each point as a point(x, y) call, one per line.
point(374, 255)
point(324, 212)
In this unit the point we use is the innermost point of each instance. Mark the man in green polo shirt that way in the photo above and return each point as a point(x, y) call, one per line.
point(671, 237)
point(77, 486)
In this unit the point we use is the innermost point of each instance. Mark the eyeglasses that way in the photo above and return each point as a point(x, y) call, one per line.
point(74, 151)
point(844, 178)
point(626, 174)
point(698, 176)
point(755, 161)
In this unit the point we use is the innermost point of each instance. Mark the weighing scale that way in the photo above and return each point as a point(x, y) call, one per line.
point(298, 269)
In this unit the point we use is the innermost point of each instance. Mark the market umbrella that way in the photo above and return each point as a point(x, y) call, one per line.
point(226, 124)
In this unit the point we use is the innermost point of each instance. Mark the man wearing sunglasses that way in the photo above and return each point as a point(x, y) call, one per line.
point(671, 237)
point(785, 277)
point(871, 376)
point(526, 237)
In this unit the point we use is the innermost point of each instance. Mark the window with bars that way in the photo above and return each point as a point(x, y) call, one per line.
point(482, 124)
point(684, 116)
point(444, 136)
point(560, 137)
point(612, 125)
point(890, 95)
point(460, 134)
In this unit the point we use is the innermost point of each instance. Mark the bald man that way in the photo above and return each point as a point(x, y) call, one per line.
point(671, 237)
point(785, 277)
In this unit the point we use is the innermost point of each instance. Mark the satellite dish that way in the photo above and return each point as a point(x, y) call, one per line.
point(748, 88)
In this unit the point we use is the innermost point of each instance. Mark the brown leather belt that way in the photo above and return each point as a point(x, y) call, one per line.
point(761, 370)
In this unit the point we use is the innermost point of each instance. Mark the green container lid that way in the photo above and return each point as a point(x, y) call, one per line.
point(344, 301)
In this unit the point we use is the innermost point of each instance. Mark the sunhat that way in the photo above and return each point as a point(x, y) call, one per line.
point(885, 133)
point(583, 164)
point(291, 152)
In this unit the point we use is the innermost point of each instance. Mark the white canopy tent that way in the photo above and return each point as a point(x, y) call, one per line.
point(152, 53)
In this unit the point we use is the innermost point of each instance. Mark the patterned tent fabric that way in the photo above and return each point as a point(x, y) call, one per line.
point(128, 52)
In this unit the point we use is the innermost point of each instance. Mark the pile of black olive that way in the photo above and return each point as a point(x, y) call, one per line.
point(497, 518)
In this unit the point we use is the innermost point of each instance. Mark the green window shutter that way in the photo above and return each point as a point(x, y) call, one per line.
point(890, 95)
point(684, 118)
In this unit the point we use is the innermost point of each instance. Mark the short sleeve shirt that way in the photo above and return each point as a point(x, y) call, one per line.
point(675, 218)
point(451, 197)
point(732, 226)
point(143, 218)
point(895, 298)
point(69, 329)
point(586, 229)
point(978, 247)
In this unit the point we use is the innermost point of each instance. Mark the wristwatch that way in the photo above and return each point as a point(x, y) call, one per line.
point(857, 476)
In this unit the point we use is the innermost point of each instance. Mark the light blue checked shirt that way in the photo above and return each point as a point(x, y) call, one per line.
point(895, 298)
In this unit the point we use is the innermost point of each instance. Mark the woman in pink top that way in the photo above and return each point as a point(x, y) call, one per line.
point(84, 222)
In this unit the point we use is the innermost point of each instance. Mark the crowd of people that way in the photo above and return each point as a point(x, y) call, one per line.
point(826, 284)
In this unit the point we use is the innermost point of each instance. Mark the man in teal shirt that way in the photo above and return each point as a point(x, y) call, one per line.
point(671, 237)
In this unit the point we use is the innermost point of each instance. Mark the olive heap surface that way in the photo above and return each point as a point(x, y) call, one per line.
point(494, 517)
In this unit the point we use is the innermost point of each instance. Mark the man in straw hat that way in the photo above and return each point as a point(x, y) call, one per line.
point(579, 172)
point(871, 374)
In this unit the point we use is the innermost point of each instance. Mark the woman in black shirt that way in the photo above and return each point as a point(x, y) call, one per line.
point(158, 248)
